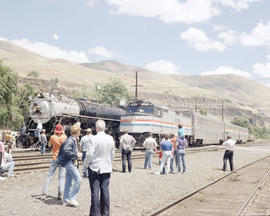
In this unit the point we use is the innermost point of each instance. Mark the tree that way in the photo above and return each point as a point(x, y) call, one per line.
point(8, 86)
point(24, 96)
point(259, 133)
point(54, 84)
point(14, 100)
point(241, 122)
point(112, 93)
point(203, 111)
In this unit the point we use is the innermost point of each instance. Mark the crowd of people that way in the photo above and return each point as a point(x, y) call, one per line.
point(97, 154)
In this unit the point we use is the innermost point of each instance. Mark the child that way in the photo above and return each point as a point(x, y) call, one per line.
point(159, 160)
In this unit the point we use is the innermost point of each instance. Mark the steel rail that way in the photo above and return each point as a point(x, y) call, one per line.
point(117, 158)
point(46, 167)
point(163, 209)
point(252, 195)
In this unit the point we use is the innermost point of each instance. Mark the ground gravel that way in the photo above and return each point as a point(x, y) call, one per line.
point(136, 193)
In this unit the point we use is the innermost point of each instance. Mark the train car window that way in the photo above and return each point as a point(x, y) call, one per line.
point(132, 109)
point(146, 104)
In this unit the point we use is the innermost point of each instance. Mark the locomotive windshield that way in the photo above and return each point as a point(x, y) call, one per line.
point(142, 107)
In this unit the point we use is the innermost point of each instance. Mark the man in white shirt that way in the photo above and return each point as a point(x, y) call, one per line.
point(229, 146)
point(85, 145)
point(150, 145)
point(127, 143)
point(98, 161)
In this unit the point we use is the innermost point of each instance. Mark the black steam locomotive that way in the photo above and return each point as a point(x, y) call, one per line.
point(48, 110)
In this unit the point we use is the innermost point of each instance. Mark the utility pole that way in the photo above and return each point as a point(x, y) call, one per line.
point(222, 113)
point(136, 86)
point(196, 105)
point(222, 110)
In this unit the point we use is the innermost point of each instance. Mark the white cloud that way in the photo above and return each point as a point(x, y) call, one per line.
point(173, 11)
point(163, 66)
point(55, 36)
point(268, 56)
point(100, 51)
point(3, 39)
point(227, 70)
point(50, 51)
point(229, 37)
point(262, 70)
point(238, 5)
point(260, 36)
point(90, 3)
point(200, 41)
point(169, 11)
point(218, 27)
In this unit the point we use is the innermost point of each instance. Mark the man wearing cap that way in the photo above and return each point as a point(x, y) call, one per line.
point(127, 143)
point(56, 141)
point(85, 143)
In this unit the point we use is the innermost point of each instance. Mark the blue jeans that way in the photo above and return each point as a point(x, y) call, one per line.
point(8, 167)
point(126, 155)
point(175, 157)
point(61, 177)
point(181, 157)
point(72, 173)
point(42, 148)
point(100, 202)
point(83, 157)
point(148, 158)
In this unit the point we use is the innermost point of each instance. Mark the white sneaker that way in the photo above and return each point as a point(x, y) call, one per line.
point(72, 202)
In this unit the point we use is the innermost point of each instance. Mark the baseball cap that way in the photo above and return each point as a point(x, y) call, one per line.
point(58, 128)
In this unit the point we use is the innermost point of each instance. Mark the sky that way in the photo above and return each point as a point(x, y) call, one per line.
point(189, 37)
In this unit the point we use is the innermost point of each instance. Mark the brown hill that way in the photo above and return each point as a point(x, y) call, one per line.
point(242, 96)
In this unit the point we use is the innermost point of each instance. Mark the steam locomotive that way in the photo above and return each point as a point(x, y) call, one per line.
point(49, 111)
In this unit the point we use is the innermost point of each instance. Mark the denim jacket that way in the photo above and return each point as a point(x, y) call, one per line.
point(68, 151)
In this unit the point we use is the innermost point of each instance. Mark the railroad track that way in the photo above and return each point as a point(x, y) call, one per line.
point(228, 195)
point(32, 160)
point(258, 201)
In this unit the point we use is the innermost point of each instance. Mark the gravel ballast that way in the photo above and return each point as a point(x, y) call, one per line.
point(137, 193)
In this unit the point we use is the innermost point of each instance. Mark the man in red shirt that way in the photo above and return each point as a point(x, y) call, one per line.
point(56, 141)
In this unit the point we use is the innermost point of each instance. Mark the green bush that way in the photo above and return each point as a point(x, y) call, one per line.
point(34, 74)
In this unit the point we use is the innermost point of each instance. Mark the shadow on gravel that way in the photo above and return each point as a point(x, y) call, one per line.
point(49, 200)
point(116, 170)
point(218, 169)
